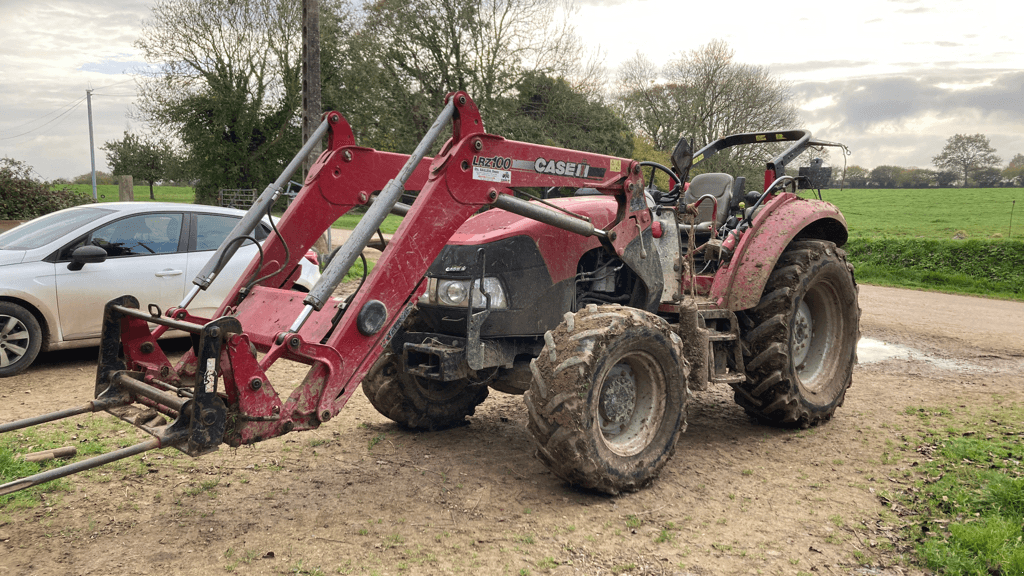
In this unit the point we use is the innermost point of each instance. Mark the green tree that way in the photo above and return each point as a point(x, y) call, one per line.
point(23, 196)
point(986, 177)
point(856, 176)
point(915, 178)
point(138, 157)
point(548, 111)
point(1015, 170)
point(403, 57)
point(885, 176)
point(966, 153)
point(227, 87)
point(101, 178)
point(945, 178)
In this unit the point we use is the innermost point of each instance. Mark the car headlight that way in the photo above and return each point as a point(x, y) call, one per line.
point(456, 293)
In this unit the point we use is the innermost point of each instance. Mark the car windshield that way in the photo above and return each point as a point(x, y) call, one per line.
point(46, 229)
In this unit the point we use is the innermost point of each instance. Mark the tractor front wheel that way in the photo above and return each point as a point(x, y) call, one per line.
point(801, 338)
point(417, 402)
point(608, 398)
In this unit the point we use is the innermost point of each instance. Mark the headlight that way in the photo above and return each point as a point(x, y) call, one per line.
point(452, 292)
point(448, 292)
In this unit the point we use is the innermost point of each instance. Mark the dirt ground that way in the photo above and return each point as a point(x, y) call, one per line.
point(363, 496)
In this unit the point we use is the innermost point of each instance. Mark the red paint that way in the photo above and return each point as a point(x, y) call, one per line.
point(451, 192)
point(738, 285)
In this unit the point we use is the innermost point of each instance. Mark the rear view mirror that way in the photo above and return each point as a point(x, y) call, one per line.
point(88, 254)
point(815, 176)
point(682, 159)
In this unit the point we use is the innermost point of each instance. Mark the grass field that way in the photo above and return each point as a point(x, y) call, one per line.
point(931, 214)
point(898, 238)
point(108, 193)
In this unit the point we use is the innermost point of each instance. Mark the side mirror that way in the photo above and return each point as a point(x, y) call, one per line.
point(682, 160)
point(87, 254)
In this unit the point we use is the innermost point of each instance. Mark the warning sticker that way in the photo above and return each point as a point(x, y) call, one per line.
point(492, 175)
point(616, 165)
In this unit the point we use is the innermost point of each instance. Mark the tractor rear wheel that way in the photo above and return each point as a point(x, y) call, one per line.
point(800, 341)
point(608, 398)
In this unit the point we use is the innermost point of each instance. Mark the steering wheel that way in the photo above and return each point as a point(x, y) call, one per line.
point(673, 194)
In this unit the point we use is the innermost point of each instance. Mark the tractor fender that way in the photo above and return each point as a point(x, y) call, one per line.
point(642, 258)
point(739, 284)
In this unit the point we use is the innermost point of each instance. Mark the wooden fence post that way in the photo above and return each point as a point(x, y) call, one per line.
point(125, 189)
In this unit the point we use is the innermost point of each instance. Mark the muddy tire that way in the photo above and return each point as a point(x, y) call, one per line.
point(20, 339)
point(417, 402)
point(800, 341)
point(608, 398)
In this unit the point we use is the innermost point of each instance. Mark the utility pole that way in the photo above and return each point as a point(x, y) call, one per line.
point(92, 147)
point(310, 75)
point(311, 84)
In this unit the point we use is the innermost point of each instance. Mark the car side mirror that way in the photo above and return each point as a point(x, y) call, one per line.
point(87, 254)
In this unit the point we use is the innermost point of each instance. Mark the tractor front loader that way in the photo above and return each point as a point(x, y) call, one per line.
point(605, 308)
point(219, 392)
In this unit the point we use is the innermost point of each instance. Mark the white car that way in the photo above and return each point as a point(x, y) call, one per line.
point(153, 251)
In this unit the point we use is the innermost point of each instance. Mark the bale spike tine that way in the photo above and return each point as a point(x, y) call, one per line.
point(91, 406)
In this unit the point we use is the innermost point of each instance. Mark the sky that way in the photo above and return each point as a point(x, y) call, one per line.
point(892, 79)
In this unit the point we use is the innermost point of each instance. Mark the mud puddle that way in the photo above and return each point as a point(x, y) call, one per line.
point(870, 351)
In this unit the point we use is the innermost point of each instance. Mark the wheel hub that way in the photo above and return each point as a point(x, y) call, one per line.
point(618, 399)
point(12, 331)
point(803, 330)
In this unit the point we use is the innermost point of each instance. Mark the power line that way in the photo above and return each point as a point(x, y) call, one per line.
point(19, 126)
point(70, 110)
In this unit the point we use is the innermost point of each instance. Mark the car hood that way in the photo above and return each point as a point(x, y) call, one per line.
point(11, 257)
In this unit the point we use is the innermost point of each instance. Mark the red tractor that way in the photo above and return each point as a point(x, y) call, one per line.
point(605, 308)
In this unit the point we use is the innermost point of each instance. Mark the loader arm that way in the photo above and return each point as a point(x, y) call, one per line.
point(220, 391)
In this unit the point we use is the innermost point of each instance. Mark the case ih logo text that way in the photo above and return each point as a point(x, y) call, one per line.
point(496, 162)
point(562, 168)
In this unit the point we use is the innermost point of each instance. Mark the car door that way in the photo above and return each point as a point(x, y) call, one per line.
point(210, 232)
point(145, 258)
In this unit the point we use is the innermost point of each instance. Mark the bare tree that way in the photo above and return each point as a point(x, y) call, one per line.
point(650, 106)
point(483, 46)
point(705, 94)
point(965, 154)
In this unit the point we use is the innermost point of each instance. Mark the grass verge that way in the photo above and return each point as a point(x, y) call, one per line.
point(91, 436)
point(980, 267)
point(965, 508)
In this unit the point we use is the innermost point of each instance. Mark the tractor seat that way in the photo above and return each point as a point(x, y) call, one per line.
point(717, 185)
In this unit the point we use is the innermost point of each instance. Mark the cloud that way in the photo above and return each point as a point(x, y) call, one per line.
point(907, 118)
point(112, 66)
point(817, 66)
point(869, 100)
point(73, 46)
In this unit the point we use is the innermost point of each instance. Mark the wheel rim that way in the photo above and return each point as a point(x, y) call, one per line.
point(631, 403)
point(815, 337)
point(14, 340)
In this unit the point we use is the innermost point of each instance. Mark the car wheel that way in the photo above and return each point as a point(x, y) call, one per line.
point(20, 339)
